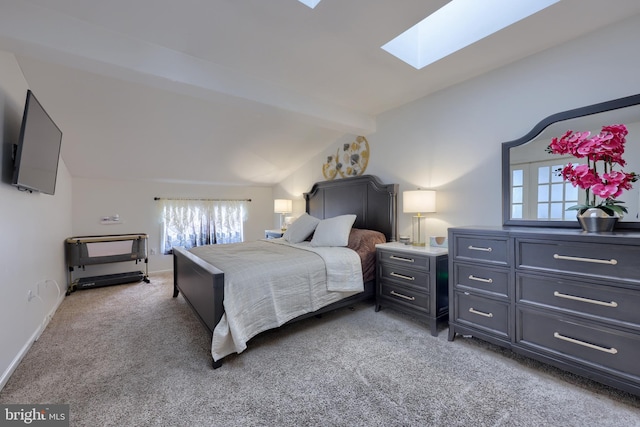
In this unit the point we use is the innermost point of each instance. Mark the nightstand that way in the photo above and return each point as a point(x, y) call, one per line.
point(273, 234)
point(413, 280)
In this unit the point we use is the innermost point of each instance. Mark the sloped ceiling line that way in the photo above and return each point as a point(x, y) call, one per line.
point(38, 32)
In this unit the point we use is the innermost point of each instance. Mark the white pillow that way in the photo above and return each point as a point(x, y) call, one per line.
point(301, 228)
point(333, 231)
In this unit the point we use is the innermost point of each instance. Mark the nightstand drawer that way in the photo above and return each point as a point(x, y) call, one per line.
point(406, 296)
point(405, 276)
point(485, 279)
point(595, 300)
point(483, 249)
point(483, 313)
point(404, 259)
point(588, 343)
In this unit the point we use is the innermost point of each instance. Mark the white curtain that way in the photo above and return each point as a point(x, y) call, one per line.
point(192, 223)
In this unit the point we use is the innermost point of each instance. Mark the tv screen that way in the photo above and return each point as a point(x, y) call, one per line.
point(38, 150)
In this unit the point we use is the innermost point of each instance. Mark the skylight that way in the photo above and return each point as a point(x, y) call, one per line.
point(456, 25)
point(310, 3)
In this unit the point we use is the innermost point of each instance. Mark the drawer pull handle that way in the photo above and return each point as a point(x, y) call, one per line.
point(477, 248)
point(481, 313)
point(402, 276)
point(581, 299)
point(403, 296)
point(593, 260)
point(480, 279)
point(611, 350)
point(399, 258)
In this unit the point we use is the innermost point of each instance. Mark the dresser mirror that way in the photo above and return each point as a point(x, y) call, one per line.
point(534, 195)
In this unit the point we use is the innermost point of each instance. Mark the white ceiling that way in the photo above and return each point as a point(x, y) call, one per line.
point(241, 91)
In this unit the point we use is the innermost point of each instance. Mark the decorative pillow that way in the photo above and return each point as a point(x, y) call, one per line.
point(301, 228)
point(333, 231)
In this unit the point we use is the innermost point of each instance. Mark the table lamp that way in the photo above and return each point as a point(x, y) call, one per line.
point(282, 206)
point(418, 202)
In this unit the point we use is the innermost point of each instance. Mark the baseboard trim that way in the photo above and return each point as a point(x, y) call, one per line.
point(25, 348)
point(16, 361)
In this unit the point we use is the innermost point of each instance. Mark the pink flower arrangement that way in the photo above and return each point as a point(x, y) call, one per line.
point(598, 177)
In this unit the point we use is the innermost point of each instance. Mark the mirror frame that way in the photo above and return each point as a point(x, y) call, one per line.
point(601, 107)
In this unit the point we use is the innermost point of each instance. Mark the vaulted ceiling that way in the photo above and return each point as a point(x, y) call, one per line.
point(241, 91)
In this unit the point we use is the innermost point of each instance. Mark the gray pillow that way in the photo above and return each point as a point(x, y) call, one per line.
point(301, 228)
point(333, 231)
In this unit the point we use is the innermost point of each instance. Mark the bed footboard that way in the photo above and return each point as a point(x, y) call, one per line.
point(201, 284)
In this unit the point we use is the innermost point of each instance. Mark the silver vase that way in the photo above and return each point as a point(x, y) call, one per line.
point(597, 221)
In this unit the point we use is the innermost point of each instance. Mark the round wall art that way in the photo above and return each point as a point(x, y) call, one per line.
point(350, 160)
point(329, 170)
point(354, 158)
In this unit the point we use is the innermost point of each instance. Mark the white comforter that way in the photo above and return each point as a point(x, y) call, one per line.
point(269, 282)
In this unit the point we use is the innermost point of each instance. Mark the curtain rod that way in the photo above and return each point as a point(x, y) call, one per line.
point(202, 200)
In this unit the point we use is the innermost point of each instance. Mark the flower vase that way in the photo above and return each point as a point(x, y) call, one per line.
point(596, 221)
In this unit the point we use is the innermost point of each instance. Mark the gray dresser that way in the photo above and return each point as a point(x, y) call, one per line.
point(561, 296)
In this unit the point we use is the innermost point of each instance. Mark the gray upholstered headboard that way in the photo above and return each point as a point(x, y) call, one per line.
point(374, 203)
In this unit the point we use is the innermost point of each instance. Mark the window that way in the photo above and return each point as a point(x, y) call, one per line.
point(550, 195)
point(191, 223)
point(517, 193)
point(554, 194)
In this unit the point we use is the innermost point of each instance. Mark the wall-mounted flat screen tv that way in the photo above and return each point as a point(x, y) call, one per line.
point(38, 150)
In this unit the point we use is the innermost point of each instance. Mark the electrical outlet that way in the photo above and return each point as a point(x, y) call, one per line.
point(153, 251)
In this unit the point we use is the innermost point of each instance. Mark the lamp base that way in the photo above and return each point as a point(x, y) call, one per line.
point(418, 231)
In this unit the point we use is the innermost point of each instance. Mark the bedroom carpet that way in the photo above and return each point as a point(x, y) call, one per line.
point(131, 355)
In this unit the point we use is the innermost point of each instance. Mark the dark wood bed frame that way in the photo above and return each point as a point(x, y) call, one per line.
point(375, 206)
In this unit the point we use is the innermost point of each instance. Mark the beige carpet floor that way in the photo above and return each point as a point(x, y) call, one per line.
point(131, 355)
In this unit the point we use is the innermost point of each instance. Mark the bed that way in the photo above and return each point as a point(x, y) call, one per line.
point(202, 283)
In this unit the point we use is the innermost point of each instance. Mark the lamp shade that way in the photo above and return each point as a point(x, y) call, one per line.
point(282, 206)
point(420, 201)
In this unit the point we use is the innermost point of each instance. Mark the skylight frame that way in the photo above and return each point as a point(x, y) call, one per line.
point(457, 25)
point(310, 3)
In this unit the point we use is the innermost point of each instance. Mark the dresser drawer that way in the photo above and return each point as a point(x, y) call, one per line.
point(405, 259)
point(405, 276)
point(486, 279)
point(483, 249)
point(406, 296)
point(604, 260)
point(587, 299)
point(579, 341)
point(483, 313)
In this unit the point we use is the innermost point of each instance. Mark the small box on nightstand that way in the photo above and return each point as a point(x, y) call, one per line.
point(273, 234)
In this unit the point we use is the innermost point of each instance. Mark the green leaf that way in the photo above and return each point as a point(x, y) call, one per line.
point(620, 210)
point(609, 210)
point(580, 208)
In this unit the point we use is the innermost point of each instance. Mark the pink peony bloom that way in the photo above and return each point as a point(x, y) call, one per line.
point(604, 191)
point(606, 148)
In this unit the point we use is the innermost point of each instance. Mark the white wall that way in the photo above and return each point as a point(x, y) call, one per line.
point(33, 227)
point(451, 141)
point(133, 202)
